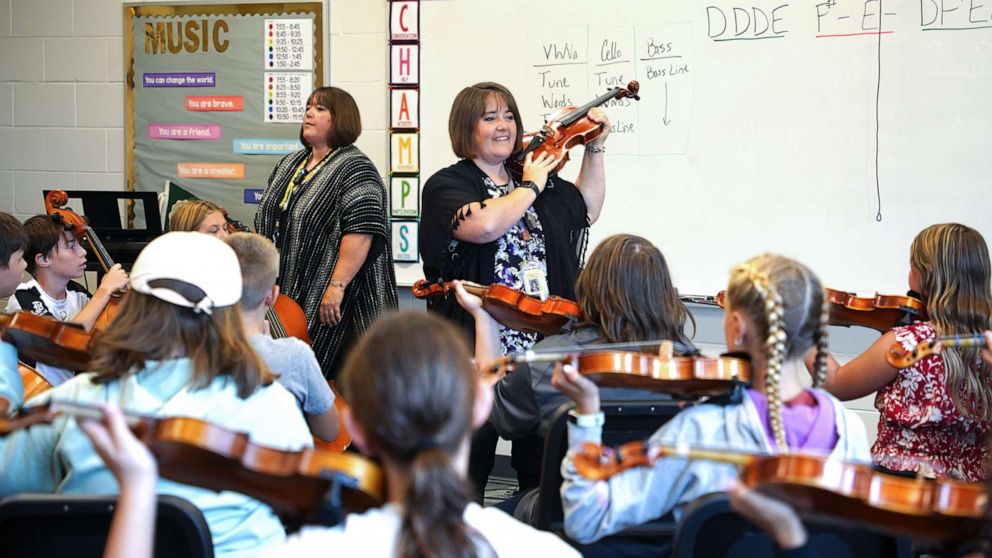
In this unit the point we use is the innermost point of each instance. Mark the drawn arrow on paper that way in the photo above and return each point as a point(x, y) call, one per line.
point(664, 119)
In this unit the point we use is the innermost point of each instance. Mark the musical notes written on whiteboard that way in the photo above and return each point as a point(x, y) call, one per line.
point(569, 64)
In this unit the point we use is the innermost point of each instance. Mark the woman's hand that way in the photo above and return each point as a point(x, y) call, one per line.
point(599, 115)
point(126, 457)
point(330, 305)
point(537, 170)
point(577, 387)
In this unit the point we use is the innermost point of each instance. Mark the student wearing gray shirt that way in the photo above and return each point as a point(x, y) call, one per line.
point(290, 359)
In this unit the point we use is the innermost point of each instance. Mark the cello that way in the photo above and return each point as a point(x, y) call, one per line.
point(821, 487)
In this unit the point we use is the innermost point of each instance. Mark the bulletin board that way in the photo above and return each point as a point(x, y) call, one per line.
point(215, 95)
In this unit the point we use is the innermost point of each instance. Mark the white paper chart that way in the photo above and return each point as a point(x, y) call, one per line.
point(286, 95)
point(288, 44)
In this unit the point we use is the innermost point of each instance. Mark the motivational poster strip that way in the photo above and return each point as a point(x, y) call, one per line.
point(184, 131)
point(179, 79)
point(263, 146)
point(210, 170)
point(215, 104)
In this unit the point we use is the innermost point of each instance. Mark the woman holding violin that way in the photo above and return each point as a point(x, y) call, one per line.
point(775, 313)
point(626, 295)
point(415, 399)
point(325, 208)
point(176, 349)
point(482, 224)
point(935, 416)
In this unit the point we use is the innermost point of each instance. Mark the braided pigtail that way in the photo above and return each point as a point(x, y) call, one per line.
point(774, 350)
point(821, 338)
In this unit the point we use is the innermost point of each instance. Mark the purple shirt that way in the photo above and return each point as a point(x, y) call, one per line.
point(808, 420)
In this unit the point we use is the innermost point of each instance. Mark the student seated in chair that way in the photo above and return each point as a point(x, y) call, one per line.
point(626, 295)
point(775, 312)
point(54, 258)
point(289, 358)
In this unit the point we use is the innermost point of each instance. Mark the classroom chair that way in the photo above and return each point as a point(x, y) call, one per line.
point(57, 525)
point(625, 421)
point(710, 527)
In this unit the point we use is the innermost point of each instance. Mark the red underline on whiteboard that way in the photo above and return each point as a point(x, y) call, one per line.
point(872, 33)
point(956, 28)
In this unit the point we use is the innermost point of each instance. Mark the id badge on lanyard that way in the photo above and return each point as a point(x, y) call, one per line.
point(534, 279)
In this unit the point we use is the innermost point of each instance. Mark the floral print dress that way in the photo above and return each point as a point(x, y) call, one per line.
point(919, 423)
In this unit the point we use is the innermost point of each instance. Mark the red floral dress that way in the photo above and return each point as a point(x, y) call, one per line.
point(919, 422)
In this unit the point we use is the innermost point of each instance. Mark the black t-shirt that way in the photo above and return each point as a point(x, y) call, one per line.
point(560, 208)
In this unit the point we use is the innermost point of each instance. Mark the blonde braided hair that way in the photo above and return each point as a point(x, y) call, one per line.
point(787, 303)
point(774, 349)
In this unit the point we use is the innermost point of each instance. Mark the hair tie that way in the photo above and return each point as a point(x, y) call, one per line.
point(428, 443)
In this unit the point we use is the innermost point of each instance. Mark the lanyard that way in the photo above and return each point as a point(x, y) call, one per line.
point(301, 177)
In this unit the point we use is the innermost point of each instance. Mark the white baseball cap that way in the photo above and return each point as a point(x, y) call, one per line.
point(190, 269)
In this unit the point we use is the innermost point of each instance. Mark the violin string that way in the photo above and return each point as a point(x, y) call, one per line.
point(680, 348)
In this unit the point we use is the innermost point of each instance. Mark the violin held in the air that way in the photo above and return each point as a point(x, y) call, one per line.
point(567, 128)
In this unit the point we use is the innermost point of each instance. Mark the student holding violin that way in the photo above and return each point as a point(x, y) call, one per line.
point(415, 398)
point(626, 295)
point(775, 312)
point(935, 416)
point(199, 216)
point(176, 349)
point(483, 225)
point(290, 358)
point(54, 258)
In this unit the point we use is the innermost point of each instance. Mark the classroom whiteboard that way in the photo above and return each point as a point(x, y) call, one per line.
point(757, 125)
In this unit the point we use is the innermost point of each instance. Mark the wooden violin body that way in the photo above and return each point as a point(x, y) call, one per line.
point(47, 340)
point(881, 312)
point(567, 128)
point(293, 483)
point(511, 307)
point(192, 451)
point(684, 376)
point(825, 488)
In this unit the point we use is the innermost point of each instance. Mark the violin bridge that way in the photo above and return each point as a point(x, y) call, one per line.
point(666, 350)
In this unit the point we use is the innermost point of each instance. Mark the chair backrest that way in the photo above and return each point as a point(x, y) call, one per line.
point(625, 421)
point(709, 527)
point(55, 525)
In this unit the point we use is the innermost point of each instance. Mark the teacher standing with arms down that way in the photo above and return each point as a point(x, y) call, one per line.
point(481, 225)
point(325, 209)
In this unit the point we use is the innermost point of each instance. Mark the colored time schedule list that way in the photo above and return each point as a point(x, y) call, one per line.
point(286, 95)
point(288, 44)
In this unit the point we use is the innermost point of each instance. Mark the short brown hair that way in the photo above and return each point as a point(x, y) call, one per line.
point(12, 238)
point(259, 266)
point(43, 236)
point(468, 108)
point(346, 122)
point(188, 215)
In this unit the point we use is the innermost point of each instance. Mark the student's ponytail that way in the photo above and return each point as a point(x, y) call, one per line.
point(411, 386)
